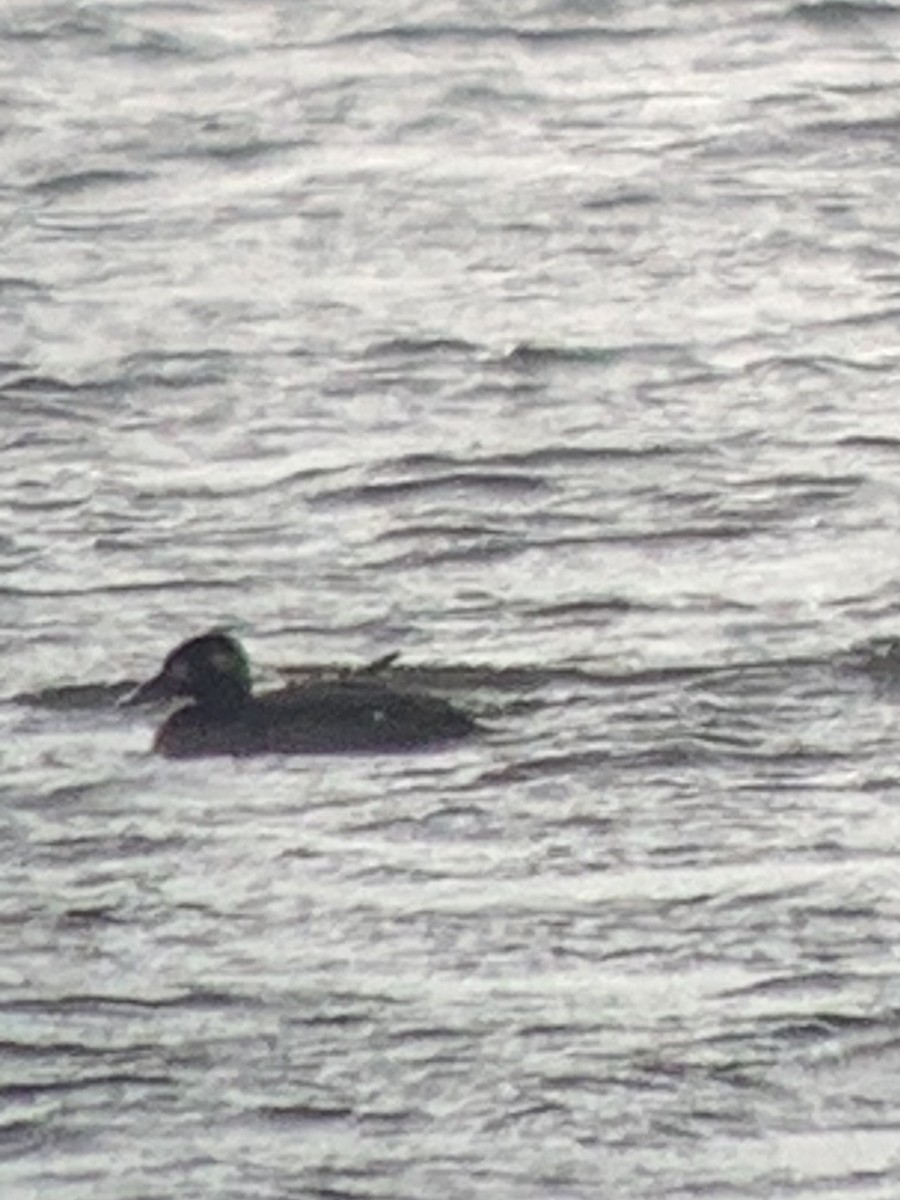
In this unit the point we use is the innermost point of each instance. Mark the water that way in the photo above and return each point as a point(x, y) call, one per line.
point(554, 347)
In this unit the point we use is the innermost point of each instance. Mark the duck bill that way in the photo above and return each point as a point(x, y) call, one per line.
point(152, 692)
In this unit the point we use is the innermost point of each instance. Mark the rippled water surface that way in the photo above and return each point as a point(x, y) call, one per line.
point(555, 347)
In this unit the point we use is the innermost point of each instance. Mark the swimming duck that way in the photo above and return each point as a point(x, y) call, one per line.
point(326, 716)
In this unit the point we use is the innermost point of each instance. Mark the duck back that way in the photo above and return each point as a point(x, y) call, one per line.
point(339, 716)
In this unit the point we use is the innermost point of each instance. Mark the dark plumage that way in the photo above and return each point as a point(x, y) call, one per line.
point(322, 717)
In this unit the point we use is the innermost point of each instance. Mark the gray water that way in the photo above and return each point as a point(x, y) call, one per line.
point(555, 347)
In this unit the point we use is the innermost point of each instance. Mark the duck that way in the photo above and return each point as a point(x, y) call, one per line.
point(222, 716)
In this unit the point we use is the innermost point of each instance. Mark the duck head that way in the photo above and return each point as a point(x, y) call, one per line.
point(212, 670)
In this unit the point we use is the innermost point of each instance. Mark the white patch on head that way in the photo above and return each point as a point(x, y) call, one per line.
point(223, 660)
point(178, 671)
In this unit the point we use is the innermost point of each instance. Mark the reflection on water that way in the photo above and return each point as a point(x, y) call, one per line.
point(542, 361)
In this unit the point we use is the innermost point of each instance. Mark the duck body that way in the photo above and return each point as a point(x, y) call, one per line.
point(223, 717)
